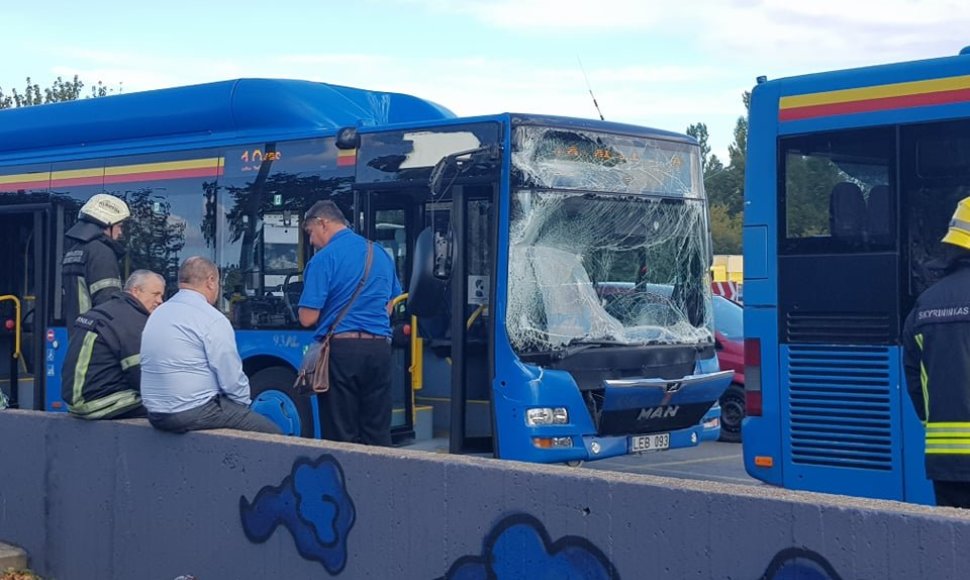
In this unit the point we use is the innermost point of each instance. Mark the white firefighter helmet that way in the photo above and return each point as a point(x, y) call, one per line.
point(104, 210)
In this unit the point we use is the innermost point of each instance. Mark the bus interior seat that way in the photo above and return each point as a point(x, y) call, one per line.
point(426, 293)
point(878, 215)
point(847, 211)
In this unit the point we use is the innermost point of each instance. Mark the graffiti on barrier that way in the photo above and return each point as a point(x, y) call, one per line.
point(519, 545)
point(313, 504)
point(799, 564)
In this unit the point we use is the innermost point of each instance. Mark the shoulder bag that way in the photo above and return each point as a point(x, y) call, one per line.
point(314, 375)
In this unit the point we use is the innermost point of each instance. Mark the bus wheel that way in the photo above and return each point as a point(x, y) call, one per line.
point(274, 397)
point(575, 463)
point(732, 413)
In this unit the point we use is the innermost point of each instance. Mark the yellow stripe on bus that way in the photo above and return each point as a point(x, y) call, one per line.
point(876, 92)
point(215, 163)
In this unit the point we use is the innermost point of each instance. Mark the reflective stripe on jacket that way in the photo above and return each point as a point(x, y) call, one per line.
point(102, 374)
point(936, 342)
point(90, 269)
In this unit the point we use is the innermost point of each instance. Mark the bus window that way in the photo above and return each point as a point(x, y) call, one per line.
point(935, 176)
point(261, 248)
point(836, 194)
point(391, 233)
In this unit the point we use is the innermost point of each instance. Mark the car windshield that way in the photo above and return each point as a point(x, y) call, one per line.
point(728, 318)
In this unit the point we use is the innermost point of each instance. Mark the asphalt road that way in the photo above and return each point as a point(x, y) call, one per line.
point(711, 461)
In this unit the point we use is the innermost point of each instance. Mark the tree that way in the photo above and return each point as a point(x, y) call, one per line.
point(709, 163)
point(725, 230)
point(725, 185)
point(60, 90)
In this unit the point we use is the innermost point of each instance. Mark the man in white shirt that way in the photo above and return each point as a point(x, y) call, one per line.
point(191, 374)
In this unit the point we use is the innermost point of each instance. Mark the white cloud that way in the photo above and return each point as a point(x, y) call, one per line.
point(552, 14)
point(716, 50)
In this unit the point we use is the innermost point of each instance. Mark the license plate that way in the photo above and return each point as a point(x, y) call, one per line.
point(641, 443)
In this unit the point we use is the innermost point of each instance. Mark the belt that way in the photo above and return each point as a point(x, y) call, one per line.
point(358, 334)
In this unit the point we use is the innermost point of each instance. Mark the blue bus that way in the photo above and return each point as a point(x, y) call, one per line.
point(852, 177)
point(528, 246)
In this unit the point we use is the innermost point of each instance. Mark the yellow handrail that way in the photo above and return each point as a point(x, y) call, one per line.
point(16, 309)
point(481, 310)
point(417, 352)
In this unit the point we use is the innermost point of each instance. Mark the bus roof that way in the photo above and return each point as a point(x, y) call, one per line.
point(226, 110)
point(881, 94)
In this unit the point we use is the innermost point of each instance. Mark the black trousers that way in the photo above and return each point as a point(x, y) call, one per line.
point(952, 493)
point(357, 408)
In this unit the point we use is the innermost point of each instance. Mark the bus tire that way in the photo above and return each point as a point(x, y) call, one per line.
point(732, 413)
point(273, 396)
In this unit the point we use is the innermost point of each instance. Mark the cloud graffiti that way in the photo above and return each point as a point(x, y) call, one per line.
point(520, 547)
point(313, 504)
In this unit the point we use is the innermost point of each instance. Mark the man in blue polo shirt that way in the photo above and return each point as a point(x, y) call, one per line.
point(357, 408)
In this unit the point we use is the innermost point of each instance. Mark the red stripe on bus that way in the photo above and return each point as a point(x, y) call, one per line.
point(125, 178)
point(870, 105)
point(17, 185)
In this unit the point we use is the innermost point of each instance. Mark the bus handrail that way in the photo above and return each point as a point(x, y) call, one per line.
point(16, 308)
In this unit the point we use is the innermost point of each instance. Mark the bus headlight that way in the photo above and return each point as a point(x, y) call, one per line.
point(546, 416)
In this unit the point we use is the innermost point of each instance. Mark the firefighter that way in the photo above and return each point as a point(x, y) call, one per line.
point(936, 343)
point(102, 371)
point(91, 271)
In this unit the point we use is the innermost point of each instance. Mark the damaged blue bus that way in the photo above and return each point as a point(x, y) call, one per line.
point(558, 303)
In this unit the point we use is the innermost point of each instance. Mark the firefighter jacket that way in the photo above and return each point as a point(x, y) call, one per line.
point(91, 272)
point(936, 342)
point(102, 374)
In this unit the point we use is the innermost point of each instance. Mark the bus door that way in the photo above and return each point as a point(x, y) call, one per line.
point(457, 352)
point(391, 220)
point(24, 304)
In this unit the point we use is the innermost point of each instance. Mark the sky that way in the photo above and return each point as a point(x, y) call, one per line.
point(659, 64)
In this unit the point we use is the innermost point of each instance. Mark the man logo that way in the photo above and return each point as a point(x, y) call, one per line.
point(657, 413)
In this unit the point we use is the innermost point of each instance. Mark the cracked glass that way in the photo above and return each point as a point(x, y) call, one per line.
point(609, 242)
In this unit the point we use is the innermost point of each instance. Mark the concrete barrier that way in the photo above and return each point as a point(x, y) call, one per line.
point(120, 500)
point(12, 557)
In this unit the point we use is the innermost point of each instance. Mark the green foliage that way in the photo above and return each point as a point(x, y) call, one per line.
point(725, 184)
point(699, 131)
point(60, 90)
point(725, 230)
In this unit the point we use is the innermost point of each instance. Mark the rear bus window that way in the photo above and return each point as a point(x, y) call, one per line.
point(836, 192)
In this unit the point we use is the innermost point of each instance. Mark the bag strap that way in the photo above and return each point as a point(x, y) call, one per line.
point(357, 290)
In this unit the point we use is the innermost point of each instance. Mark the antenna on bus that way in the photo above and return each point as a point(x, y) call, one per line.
point(590, 88)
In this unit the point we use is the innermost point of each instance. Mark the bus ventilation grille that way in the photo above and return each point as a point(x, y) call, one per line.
point(839, 409)
point(835, 327)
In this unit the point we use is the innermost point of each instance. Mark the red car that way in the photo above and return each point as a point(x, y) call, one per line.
point(729, 342)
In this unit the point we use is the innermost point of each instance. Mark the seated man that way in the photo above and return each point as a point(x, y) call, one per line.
point(191, 374)
point(101, 371)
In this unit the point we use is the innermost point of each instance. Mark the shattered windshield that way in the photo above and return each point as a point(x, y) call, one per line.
point(591, 266)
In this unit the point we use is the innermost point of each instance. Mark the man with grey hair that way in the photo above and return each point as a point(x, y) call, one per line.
point(191, 374)
point(101, 371)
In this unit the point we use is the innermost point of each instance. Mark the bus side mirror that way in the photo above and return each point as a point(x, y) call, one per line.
point(426, 292)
